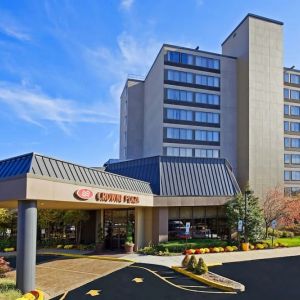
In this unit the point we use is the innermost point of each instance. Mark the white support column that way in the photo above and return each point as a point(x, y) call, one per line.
point(26, 245)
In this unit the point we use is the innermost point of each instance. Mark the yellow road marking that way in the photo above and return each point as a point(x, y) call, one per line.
point(93, 293)
point(87, 256)
point(138, 280)
point(178, 286)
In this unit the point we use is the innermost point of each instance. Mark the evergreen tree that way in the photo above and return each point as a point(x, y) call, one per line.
point(235, 211)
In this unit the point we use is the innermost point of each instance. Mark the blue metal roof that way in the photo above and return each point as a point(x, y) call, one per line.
point(44, 166)
point(181, 176)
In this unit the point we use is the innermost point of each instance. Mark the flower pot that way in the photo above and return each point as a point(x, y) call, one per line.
point(129, 248)
point(245, 246)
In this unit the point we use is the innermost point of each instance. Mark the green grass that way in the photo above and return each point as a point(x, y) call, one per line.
point(8, 290)
point(291, 242)
point(177, 246)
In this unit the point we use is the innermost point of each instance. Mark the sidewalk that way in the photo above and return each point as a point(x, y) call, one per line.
point(227, 257)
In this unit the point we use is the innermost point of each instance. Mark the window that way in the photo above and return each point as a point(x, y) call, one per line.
point(296, 175)
point(206, 62)
point(286, 109)
point(179, 95)
point(179, 133)
point(294, 126)
point(294, 79)
point(295, 95)
point(207, 117)
point(207, 136)
point(287, 142)
point(187, 59)
point(292, 175)
point(295, 159)
point(287, 175)
point(287, 158)
point(209, 153)
point(173, 56)
point(180, 76)
point(204, 98)
point(179, 114)
point(286, 77)
point(286, 126)
point(295, 110)
point(208, 80)
point(286, 93)
point(295, 143)
point(292, 159)
point(177, 151)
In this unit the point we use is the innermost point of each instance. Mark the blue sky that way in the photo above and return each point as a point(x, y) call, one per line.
point(63, 63)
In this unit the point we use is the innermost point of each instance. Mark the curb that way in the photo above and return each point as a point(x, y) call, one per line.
point(206, 281)
point(88, 256)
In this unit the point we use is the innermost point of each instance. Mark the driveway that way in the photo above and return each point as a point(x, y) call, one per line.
point(57, 274)
point(264, 279)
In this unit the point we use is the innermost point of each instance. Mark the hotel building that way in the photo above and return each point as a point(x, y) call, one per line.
point(196, 129)
point(241, 105)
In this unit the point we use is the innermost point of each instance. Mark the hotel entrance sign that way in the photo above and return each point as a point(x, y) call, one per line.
point(84, 194)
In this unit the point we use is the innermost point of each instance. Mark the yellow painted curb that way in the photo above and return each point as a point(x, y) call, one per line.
point(88, 256)
point(216, 264)
point(33, 295)
point(200, 278)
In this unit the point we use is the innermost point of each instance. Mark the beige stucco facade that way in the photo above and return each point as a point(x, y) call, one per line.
point(258, 45)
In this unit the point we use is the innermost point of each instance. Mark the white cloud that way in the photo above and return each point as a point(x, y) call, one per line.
point(126, 4)
point(12, 28)
point(34, 106)
point(132, 57)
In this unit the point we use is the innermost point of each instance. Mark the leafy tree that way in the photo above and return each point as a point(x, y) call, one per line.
point(76, 217)
point(8, 220)
point(235, 211)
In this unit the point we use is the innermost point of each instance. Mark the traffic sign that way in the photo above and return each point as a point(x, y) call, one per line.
point(240, 225)
point(274, 224)
point(187, 227)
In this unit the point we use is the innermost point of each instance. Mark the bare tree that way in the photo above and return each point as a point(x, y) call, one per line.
point(274, 206)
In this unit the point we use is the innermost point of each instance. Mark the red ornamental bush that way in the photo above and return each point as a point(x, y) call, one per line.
point(4, 267)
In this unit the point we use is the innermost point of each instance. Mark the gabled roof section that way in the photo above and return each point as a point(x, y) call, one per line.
point(52, 168)
point(181, 176)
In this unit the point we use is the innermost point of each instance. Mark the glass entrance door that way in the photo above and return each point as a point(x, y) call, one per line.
point(115, 226)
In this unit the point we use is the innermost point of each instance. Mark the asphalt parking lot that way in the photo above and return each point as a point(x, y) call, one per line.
point(264, 279)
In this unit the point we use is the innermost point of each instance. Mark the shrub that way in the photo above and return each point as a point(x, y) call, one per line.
point(4, 267)
point(185, 261)
point(192, 263)
point(9, 249)
point(293, 228)
point(229, 248)
point(59, 246)
point(235, 248)
point(287, 234)
point(150, 250)
point(68, 247)
point(201, 267)
point(260, 246)
point(216, 250)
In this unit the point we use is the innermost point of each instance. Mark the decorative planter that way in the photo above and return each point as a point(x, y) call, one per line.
point(245, 246)
point(129, 248)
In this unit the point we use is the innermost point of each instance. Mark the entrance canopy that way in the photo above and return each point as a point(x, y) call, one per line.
point(59, 184)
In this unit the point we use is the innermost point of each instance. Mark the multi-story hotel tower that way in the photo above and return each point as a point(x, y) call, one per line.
point(242, 105)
